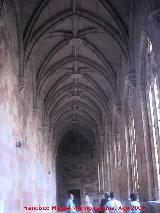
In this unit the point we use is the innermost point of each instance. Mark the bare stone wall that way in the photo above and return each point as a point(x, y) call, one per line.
point(24, 171)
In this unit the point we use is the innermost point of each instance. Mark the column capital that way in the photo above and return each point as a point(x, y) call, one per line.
point(130, 79)
point(35, 111)
point(117, 109)
point(22, 83)
point(43, 128)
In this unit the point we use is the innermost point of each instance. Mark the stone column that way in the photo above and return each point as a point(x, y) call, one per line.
point(148, 147)
point(106, 165)
point(129, 82)
point(100, 159)
point(140, 154)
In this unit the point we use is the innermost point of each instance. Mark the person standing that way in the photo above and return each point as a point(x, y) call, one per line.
point(88, 204)
point(70, 204)
point(104, 202)
point(116, 204)
point(134, 204)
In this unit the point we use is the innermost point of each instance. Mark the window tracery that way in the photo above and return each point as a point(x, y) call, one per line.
point(153, 105)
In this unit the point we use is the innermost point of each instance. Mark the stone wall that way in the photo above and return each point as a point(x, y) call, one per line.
point(24, 170)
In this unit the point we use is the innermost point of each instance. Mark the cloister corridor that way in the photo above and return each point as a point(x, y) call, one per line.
point(79, 102)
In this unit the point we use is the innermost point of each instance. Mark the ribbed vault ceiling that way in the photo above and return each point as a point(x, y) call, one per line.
point(76, 48)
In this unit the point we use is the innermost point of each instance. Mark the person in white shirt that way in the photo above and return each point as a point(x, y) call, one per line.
point(116, 204)
point(70, 204)
point(104, 203)
point(88, 204)
point(134, 204)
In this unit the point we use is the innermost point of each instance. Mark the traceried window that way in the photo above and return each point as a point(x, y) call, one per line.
point(116, 143)
point(99, 181)
point(132, 141)
point(103, 178)
point(115, 153)
point(115, 147)
point(119, 149)
point(153, 104)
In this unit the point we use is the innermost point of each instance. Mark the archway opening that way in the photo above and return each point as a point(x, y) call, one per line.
point(77, 170)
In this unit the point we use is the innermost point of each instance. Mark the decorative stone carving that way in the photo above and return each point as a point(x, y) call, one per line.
point(75, 42)
point(22, 83)
point(44, 130)
point(75, 107)
point(117, 109)
point(131, 79)
point(35, 111)
point(76, 76)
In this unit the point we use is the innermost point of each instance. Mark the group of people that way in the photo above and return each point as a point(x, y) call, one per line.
point(109, 204)
point(114, 205)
